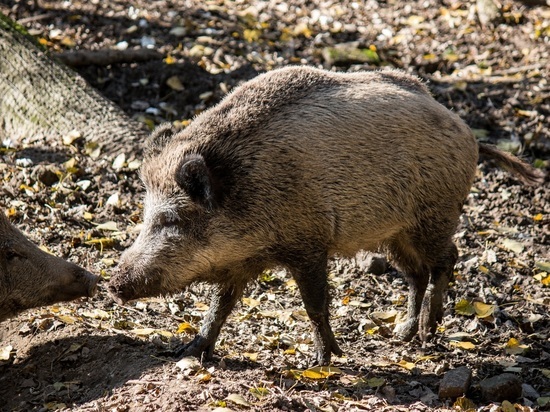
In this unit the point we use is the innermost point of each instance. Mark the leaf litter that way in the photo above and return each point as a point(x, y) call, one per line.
point(497, 306)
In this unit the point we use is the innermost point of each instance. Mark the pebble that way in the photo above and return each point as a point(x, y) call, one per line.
point(501, 387)
point(529, 392)
point(455, 382)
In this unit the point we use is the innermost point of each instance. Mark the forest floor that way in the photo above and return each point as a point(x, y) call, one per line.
point(93, 355)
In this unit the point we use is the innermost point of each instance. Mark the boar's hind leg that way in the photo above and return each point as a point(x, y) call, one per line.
point(427, 263)
point(224, 300)
point(311, 277)
point(418, 282)
point(417, 276)
point(432, 306)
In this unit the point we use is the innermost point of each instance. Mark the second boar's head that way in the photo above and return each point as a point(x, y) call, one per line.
point(185, 228)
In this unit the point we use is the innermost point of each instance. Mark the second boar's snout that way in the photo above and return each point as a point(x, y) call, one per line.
point(92, 281)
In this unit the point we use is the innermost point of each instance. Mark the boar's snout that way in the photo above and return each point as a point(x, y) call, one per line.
point(91, 280)
point(78, 282)
point(126, 284)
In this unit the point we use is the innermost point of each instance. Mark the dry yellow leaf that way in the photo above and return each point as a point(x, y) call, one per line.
point(387, 317)
point(175, 83)
point(143, 331)
point(252, 35)
point(186, 327)
point(259, 393)
point(250, 302)
point(405, 364)
point(169, 59)
point(5, 352)
point(252, 356)
point(463, 345)
point(484, 310)
point(506, 406)
point(237, 399)
point(464, 307)
point(68, 320)
point(204, 376)
point(376, 382)
point(464, 404)
point(321, 372)
point(111, 226)
point(514, 347)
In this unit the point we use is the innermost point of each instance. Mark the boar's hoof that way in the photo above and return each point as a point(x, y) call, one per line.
point(406, 330)
point(426, 331)
point(199, 347)
point(323, 353)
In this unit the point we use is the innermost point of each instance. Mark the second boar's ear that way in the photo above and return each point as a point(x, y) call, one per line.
point(159, 138)
point(194, 177)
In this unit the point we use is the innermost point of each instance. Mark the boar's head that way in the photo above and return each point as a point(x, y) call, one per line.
point(185, 230)
point(30, 277)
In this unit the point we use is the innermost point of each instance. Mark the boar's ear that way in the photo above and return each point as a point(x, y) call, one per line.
point(194, 177)
point(159, 138)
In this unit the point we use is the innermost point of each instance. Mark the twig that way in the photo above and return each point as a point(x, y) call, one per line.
point(107, 56)
point(30, 19)
point(514, 70)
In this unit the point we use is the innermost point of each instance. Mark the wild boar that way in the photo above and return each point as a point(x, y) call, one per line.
point(30, 277)
point(293, 167)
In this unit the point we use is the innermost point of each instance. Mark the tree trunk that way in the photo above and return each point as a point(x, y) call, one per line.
point(43, 99)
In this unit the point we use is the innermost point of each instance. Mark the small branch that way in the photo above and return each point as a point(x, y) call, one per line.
point(30, 19)
point(514, 70)
point(107, 56)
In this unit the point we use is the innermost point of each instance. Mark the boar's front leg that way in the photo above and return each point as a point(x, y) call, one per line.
point(310, 273)
point(224, 300)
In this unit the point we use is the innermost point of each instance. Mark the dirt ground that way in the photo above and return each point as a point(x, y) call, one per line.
point(93, 355)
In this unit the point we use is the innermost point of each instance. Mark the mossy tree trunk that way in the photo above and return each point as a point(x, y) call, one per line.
point(41, 99)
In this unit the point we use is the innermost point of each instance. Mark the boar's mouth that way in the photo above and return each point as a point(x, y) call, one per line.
point(81, 284)
point(123, 290)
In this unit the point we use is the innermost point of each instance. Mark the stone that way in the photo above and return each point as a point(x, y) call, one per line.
point(455, 382)
point(502, 387)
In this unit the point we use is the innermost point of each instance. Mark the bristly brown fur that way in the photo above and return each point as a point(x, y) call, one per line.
point(30, 277)
point(302, 164)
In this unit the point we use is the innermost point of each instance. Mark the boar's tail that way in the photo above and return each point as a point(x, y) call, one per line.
point(526, 172)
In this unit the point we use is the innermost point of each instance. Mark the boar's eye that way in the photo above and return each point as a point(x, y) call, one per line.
point(11, 254)
point(166, 220)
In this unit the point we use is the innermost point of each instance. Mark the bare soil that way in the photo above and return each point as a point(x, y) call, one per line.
point(93, 355)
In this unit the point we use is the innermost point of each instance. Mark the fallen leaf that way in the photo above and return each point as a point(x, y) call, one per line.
point(70, 137)
point(321, 372)
point(69, 320)
point(375, 382)
point(252, 356)
point(119, 161)
point(189, 363)
point(506, 406)
point(513, 245)
point(463, 345)
point(259, 393)
point(464, 404)
point(112, 226)
point(484, 310)
point(387, 317)
point(186, 327)
point(204, 376)
point(96, 314)
point(92, 149)
point(175, 83)
point(514, 347)
point(464, 307)
point(406, 364)
point(250, 302)
point(238, 399)
point(5, 352)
